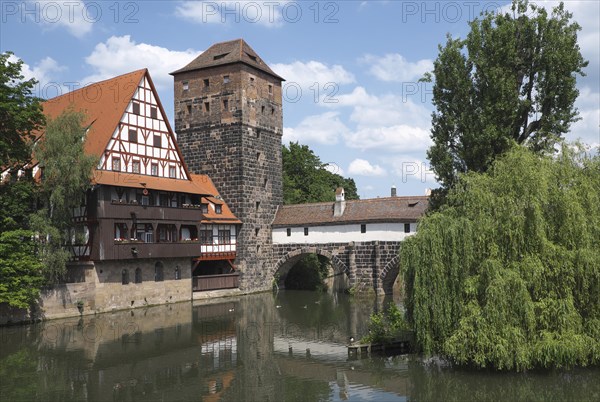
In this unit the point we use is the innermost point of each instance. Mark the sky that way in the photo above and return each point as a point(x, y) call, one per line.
point(351, 67)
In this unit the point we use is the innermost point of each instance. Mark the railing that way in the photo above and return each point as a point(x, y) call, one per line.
point(214, 282)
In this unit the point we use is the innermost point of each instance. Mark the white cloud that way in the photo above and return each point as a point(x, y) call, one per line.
point(265, 13)
point(120, 55)
point(325, 129)
point(44, 71)
point(588, 128)
point(362, 167)
point(334, 168)
point(394, 67)
point(76, 16)
point(306, 74)
point(397, 138)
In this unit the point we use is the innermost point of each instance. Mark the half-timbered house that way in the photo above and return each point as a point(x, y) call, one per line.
point(147, 221)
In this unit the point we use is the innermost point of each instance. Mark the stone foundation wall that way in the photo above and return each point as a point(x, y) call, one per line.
point(100, 289)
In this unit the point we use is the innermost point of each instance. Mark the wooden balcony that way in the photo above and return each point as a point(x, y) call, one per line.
point(215, 282)
point(123, 210)
point(135, 249)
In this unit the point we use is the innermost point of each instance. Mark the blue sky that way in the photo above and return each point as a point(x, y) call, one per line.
point(351, 66)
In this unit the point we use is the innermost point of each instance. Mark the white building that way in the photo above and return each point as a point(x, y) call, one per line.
point(385, 219)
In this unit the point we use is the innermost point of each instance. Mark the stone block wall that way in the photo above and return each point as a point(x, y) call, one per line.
point(368, 265)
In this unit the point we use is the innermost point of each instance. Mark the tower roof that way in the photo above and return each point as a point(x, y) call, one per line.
point(223, 53)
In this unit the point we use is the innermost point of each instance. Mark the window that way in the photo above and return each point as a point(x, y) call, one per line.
point(206, 237)
point(407, 228)
point(188, 108)
point(363, 228)
point(225, 79)
point(125, 277)
point(207, 107)
point(204, 208)
point(163, 200)
point(144, 232)
point(135, 166)
point(154, 169)
point(262, 109)
point(177, 273)
point(305, 231)
point(272, 111)
point(116, 164)
point(136, 108)
point(121, 231)
point(153, 112)
point(185, 85)
point(138, 275)
point(157, 140)
point(172, 172)
point(289, 232)
point(224, 236)
point(225, 105)
point(252, 79)
point(218, 209)
point(270, 89)
point(257, 204)
point(206, 83)
point(132, 135)
point(158, 272)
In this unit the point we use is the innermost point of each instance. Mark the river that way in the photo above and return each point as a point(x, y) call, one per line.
point(288, 346)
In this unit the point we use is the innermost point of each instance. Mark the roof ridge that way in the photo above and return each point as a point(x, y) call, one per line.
point(75, 91)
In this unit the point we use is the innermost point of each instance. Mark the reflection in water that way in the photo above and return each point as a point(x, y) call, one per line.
point(284, 347)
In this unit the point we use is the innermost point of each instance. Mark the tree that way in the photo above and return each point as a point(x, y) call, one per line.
point(67, 174)
point(306, 179)
point(20, 113)
point(507, 275)
point(512, 80)
point(21, 273)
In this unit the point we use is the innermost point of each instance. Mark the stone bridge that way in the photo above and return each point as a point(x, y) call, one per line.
point(365, 265)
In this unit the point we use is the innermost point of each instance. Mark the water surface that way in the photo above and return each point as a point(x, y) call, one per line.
point(284, 347)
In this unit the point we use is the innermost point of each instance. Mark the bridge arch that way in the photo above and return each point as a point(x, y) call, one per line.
point(389, 274)
point(289, 259)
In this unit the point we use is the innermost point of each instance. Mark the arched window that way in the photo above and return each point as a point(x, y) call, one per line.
point(177, 273)
point(158, 272)
point(138, 275)
point(125, 277)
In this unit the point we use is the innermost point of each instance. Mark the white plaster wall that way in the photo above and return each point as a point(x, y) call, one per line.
point(343, 233)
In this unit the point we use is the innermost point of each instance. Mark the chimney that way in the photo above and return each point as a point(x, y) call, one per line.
point(340, 202)
point(393, 190)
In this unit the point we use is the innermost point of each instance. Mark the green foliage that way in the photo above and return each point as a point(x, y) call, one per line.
point(512, 80)
point(308, 273)
point(20, 113)
point(21, 273)
point(306, 180)
point(67, 170)
point(17, 202)
point(386, 326)
point(507, 275)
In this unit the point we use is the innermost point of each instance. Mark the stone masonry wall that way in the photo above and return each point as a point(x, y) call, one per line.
point(236, 140)
point(368, 265)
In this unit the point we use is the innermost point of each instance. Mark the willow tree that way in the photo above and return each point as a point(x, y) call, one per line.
point(513, 79)
point(507, 274)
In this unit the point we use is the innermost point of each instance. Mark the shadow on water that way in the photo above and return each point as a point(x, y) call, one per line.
point(288, 346)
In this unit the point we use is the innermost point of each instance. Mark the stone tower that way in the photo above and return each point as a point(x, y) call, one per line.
point(228, 119)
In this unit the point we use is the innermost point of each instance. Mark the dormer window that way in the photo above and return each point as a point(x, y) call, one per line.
point(204, 208)
point(218, 209)
point(220, 56)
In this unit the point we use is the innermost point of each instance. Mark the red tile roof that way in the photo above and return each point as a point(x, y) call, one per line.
point(389, 209)
point(234, 51)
